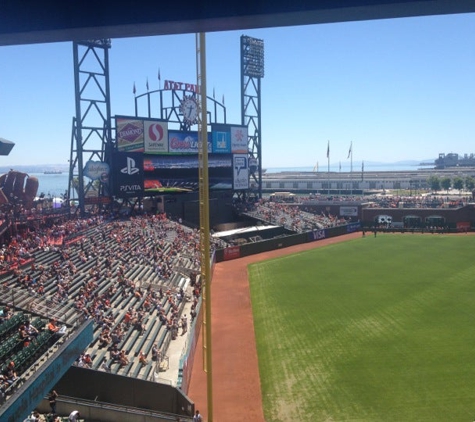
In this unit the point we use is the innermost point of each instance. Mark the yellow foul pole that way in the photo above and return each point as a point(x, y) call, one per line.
point(204, 216)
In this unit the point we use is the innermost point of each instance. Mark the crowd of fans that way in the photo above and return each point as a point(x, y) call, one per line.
point(89, 263)
point(292, 217)
point(426, 201)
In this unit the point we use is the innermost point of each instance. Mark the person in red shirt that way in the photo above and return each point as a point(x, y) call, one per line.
point(52, 327)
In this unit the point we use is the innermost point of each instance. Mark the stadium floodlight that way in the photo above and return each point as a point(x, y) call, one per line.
point(253, 57)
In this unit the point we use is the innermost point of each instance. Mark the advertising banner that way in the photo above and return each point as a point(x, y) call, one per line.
point(185, 142)
point(97, 170)
point(221, 142)
point(463, 226)
point(240, 172)
point(128, 174)
point(129, 133)
point(239, 139)
point(353, 227)
point(316, 235)
point(155, 137)
point(232, 252)
point(348, 211)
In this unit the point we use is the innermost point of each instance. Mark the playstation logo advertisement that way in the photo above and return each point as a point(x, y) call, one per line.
point(128, 174)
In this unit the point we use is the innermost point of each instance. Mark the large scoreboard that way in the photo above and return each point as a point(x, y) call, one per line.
point(152, 158)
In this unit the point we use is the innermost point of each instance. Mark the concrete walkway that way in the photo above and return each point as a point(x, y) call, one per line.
point(175, 352)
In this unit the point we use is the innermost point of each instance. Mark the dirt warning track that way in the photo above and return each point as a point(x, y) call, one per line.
point(236, 382)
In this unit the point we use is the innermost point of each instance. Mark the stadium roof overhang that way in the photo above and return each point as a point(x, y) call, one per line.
point(32, 21)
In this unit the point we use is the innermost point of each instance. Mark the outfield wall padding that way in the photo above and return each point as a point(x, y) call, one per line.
point(234, 252)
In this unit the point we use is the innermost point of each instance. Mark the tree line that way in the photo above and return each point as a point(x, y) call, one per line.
point(437, 183)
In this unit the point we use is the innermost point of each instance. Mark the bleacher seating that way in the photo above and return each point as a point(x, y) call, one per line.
point(143, 255)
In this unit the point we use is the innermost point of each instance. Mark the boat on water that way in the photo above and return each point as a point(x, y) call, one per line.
point(53, 172)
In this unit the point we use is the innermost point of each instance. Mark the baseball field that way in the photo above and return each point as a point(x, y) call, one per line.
point(372, 329)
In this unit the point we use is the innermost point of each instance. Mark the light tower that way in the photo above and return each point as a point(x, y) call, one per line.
point(252, 71)
point(91, 133)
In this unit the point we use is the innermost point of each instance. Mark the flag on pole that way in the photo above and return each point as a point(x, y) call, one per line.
point(328, 150)
point(223, 99)
point(214, 96)
point(362, 166)
point(134, 90)
point(350, 150)
point(147, 84)
point(159, 78)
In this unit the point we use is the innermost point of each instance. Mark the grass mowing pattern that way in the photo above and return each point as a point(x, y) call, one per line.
point(374, 329)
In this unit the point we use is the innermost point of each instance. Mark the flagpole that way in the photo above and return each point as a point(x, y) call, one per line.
point(351, 169)
point(148, 100)
point(134, 90)
point(339, 183)
point(328, 158)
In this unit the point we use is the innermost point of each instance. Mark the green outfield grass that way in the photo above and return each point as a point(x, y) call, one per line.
point(373, 329)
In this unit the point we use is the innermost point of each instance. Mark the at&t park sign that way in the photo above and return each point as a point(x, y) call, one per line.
point(177, 86)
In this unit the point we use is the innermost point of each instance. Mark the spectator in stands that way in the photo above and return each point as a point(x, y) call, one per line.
point(3, 387)
point(31, 329)
point(53, 395)
point(124, 360)
point(87, 360)
point(116, 336)
point(7, 312)
point(24, 337)
point(197, 417)
point(52, 327)
point(184, 325)
point(105, 366)
point(105, 338)
point(143, 358)
point(156, 353)
point(9, 373)
point(115, 353)
point(35, 417)
point(74, 416)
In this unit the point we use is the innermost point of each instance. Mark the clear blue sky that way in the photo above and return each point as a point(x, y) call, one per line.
point(398, 89)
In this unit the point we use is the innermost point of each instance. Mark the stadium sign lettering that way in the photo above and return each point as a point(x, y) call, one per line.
point(188, 143)
point(177, 143)
point(353, 227)
point(126, 188)
point(130, 132)
point(172, 85)
point(318, 234)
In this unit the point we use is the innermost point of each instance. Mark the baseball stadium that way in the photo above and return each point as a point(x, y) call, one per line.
point(178, 281)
